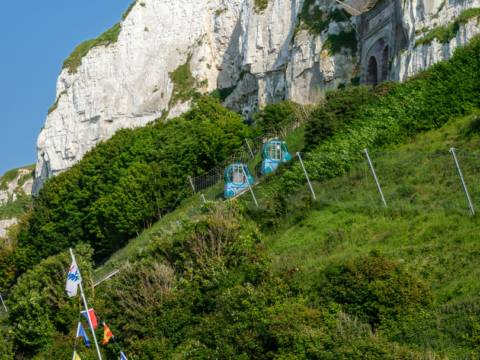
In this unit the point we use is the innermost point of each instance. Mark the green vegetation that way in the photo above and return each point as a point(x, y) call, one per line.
point(335, 43)
point(108, 37)
point(260, 5)
point(23, 202)
point(220, 11)
point(223, 94)
point(447, 32)
point(273, 114)
point(207, 290)
point(184, 84)
point(14, 209)
point(55, 105)
point(316, 22)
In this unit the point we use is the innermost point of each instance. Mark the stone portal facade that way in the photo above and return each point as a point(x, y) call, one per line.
point(381, 36)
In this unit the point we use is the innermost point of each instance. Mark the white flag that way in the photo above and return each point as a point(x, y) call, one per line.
point(73, 280)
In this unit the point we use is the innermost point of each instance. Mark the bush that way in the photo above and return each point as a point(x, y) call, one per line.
point(273, 114)
point(374, 288)
point(341, 109)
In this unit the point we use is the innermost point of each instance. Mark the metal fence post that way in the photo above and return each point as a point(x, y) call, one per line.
point(452, 150)
point(308, 179)
point(1, 297)
point(248, 182)
point(375, 176)
point(249, 148)
point(203, 197)
point(191, 183)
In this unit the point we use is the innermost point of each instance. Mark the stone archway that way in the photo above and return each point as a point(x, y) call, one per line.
point(372, 72)
point(385, 64)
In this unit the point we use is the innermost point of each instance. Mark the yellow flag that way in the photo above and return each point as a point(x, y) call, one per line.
point(75, 356)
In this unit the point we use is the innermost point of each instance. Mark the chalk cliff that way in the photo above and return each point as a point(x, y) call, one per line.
point(259, 55)
point(15, 187)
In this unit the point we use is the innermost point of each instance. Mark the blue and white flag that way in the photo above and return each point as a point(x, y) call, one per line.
point(122, 356)
point(81, 332)
point(73, 279)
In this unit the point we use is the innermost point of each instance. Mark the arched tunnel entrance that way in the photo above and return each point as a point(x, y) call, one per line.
point(372, 75)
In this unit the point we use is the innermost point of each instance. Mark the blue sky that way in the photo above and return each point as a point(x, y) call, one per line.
point(35, 38)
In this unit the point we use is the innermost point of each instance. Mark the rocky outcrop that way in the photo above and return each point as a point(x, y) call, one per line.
point(15, 185)
point(4, 225)
point(22, 181)
point(419, 18)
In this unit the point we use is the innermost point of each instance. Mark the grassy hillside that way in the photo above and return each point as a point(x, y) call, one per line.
point(341, 277)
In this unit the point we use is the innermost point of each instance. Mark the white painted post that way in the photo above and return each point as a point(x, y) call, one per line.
point(1, 297)
point(248, 182)
point(375, 176)
point(452, 150)
point(249, 148)
point(193, 187)
point(308, 179)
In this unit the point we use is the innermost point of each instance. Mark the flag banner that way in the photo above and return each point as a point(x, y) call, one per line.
point(92, 316)
point(122, 356)
point(75, 356)
point(81, 332)
point(107, 335)
point(73, 280)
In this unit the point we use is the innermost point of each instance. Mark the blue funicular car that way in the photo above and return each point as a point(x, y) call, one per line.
point(235, 180)
point(273, 153)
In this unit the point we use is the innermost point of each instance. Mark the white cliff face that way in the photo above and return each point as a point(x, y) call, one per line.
point(23, 181)
point(429, 14)
point(9, 190)
point(228, 44)
point(4, 225)
point(128, 84)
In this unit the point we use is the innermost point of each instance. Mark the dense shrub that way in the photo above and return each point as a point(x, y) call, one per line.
point(374, 288)
point(124, 184)
point(341, 109)
point(273, 114)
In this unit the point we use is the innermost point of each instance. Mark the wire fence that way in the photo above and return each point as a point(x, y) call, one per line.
point(418, 182)
point(421, 182)
point(249, 151)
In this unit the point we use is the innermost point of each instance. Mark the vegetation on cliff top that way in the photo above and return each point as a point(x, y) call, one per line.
point(108, 37)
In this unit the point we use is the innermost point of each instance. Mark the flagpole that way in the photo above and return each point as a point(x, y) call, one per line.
point(86, 308)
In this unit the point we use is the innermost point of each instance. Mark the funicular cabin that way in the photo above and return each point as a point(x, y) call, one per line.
point(237, 177)
point(273, 153)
